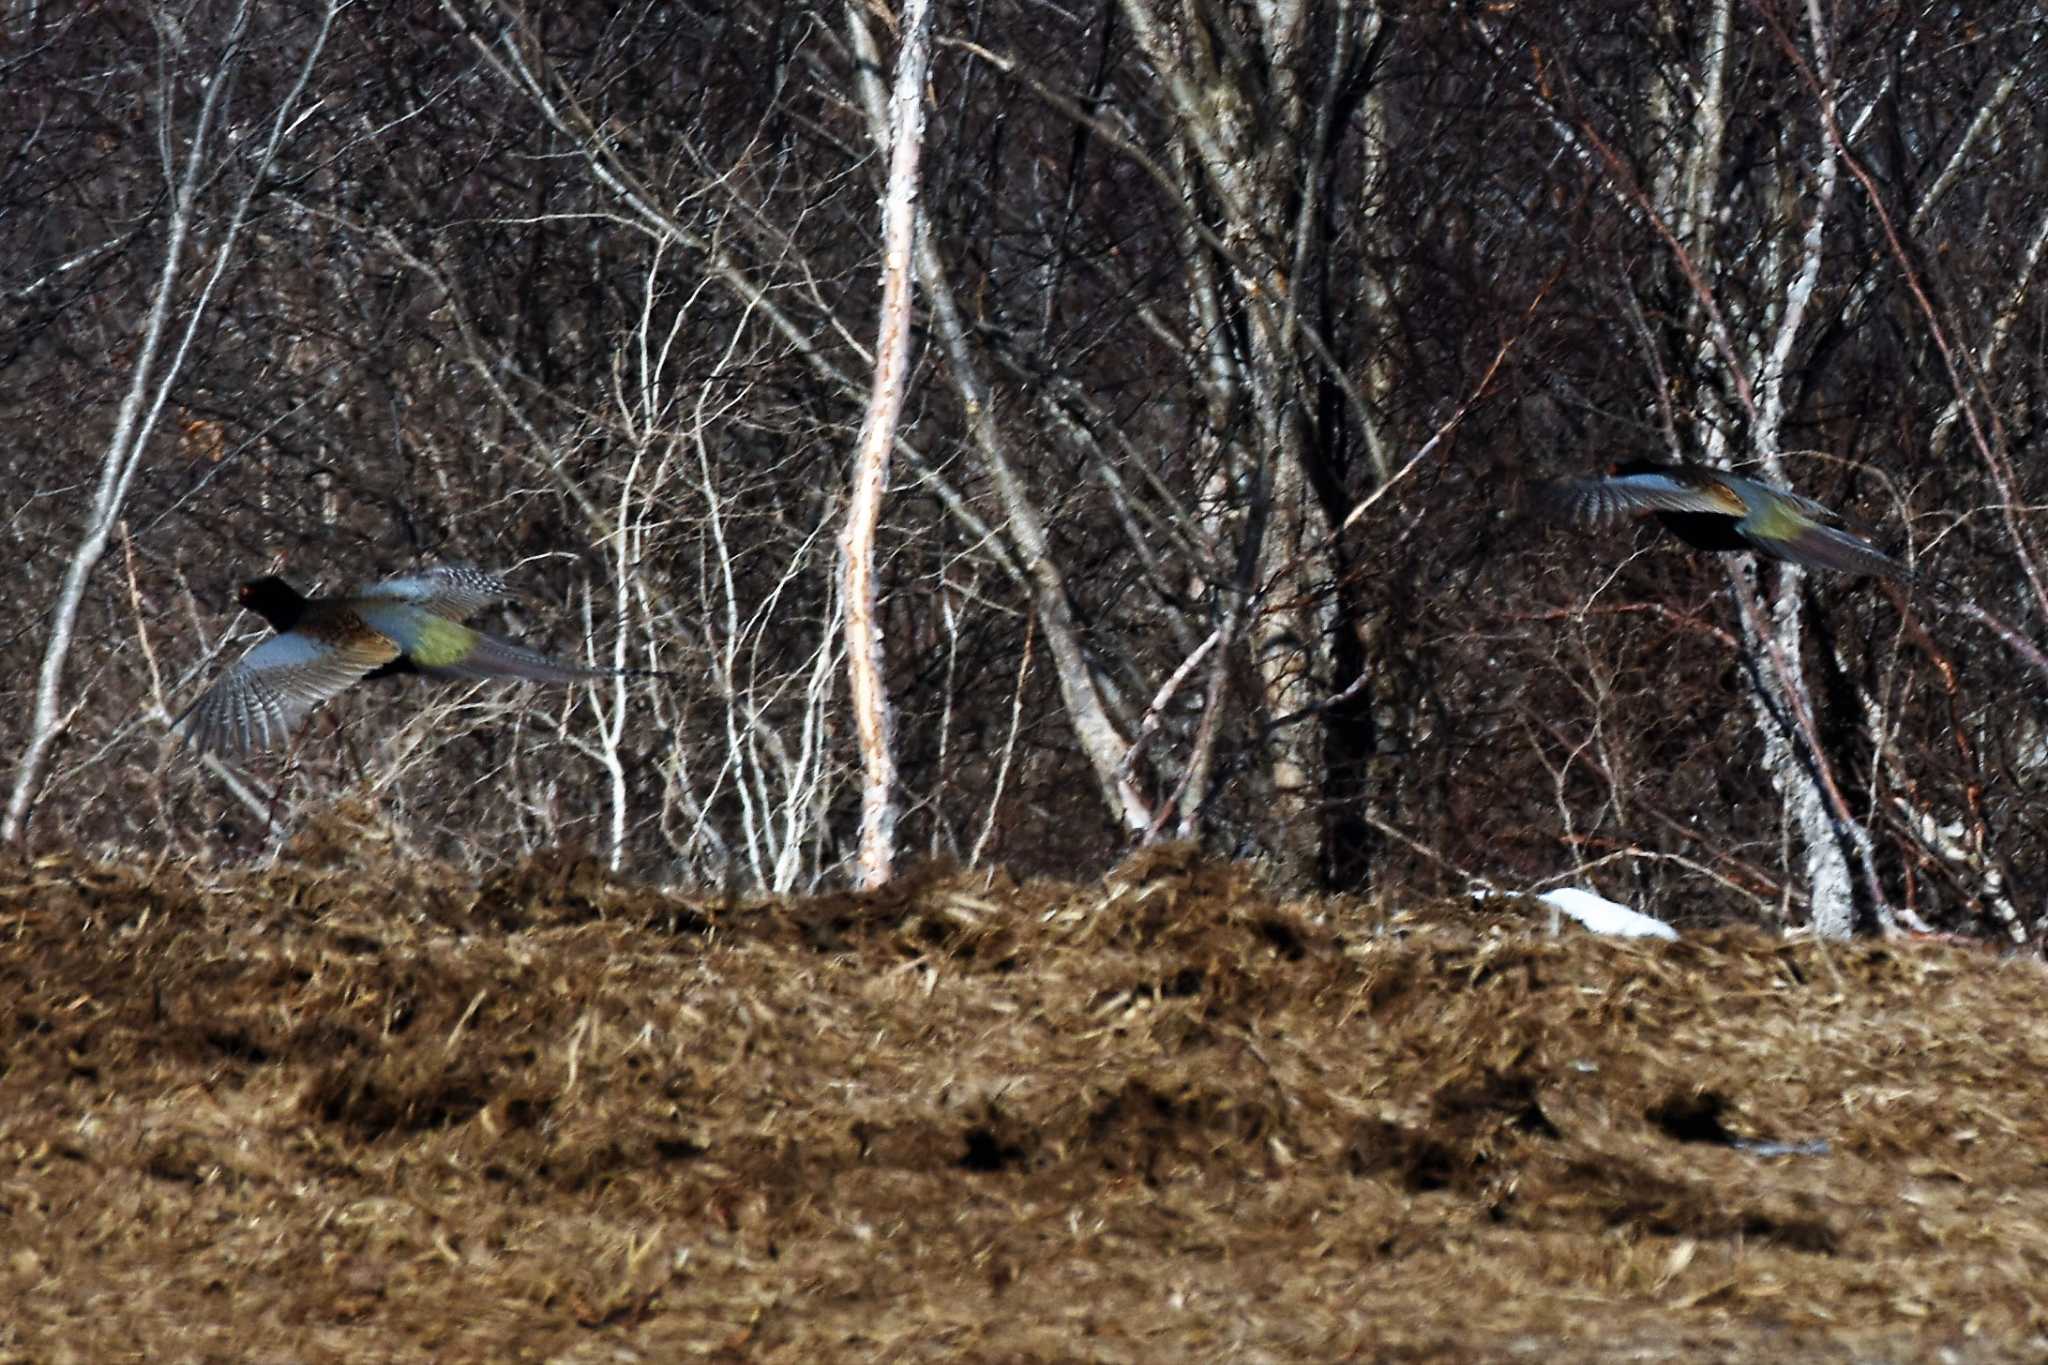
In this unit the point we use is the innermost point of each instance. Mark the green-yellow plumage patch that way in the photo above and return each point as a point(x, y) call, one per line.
point(439, 643)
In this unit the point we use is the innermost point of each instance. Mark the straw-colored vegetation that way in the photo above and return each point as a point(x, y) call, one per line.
point(353, 1109)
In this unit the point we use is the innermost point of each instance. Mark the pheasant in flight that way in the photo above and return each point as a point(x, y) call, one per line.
point(324, 645)
point(1711, 509)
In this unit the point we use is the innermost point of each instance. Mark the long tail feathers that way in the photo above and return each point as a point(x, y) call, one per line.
point(491, 657)
point(1824, 547)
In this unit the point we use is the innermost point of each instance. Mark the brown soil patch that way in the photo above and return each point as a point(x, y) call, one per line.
point(352, 1110)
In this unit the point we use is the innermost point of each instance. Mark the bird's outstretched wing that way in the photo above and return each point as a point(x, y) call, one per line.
point(274, 686)
point(1595, 502)
point(454, 591)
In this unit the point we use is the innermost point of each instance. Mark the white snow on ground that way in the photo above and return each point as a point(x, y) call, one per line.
point(1595, 912)
point(1604, 916)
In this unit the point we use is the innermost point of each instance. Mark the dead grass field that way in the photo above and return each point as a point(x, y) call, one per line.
point(356, 1110)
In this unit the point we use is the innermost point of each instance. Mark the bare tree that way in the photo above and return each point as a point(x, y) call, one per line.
point(1246, 323)
point(865, 664)
point(193, 159)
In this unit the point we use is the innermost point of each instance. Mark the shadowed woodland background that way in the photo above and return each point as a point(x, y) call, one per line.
point(587, 291)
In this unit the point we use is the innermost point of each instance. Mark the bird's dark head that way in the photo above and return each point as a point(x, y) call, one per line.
point(273, 599)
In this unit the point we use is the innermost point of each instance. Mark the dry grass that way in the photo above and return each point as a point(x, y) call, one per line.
point(351, 1110)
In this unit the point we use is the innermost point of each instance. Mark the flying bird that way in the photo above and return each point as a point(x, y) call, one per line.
point(325, 645)
point(1711, 509)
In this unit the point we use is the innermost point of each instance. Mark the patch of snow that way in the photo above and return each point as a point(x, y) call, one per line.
point(1595, 912)
point(1604, 916)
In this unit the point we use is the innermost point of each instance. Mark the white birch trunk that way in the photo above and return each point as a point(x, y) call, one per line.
point(865, 657)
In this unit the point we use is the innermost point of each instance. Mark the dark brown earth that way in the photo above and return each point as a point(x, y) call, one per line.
point(354, 1109)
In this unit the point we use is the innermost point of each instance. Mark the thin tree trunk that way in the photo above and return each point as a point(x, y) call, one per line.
point(864, 648)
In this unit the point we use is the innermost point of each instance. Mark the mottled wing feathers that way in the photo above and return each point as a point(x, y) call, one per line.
point(274, 686)
point(1594, 502)
point(455, 591)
